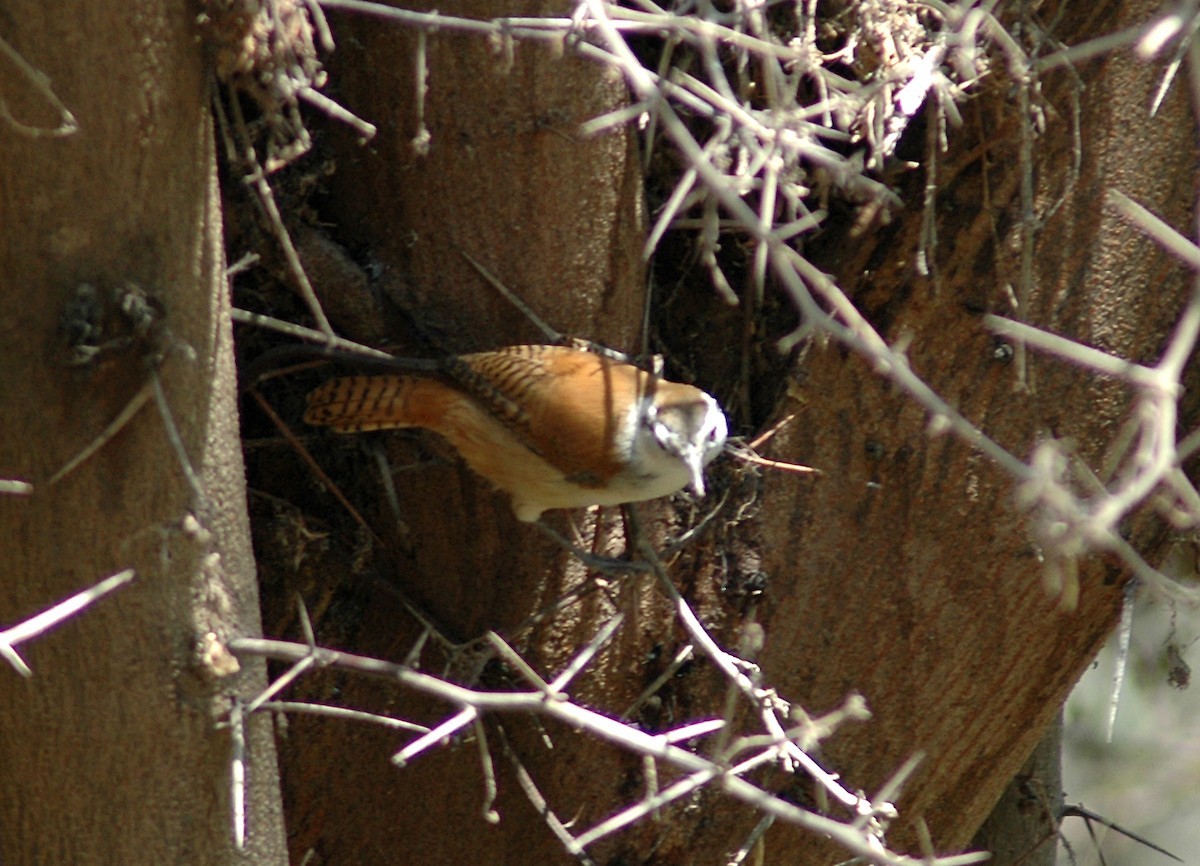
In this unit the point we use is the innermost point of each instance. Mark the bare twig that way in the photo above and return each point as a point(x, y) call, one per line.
point(473, 702)
point(1088, 816)
point(243, 153)
point(509, 295)
point(444, 731)
point(311, 709)
point(68, 125)
point(135, 404)
point(15, 487)
point(47, 619)
point(175, 440)
point(291, 329)
point(530, 789)
point(769, 705)
point(761, 169)
point(237, 774)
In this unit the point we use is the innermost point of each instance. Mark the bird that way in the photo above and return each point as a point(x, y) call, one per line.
point(553, 426)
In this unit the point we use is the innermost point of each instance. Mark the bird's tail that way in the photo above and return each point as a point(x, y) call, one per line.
point(354, 404)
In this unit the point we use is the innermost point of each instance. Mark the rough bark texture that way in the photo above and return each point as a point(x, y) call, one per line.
point(911, 577)
point(1023, 826)
point(904, 572)
point(110, 752)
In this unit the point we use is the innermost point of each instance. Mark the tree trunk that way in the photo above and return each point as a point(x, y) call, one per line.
point(904, 572)
point(110, 752)
point(911, 576)
point(1022, 829)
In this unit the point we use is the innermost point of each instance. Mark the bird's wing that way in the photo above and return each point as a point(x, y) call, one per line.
point(568, 406)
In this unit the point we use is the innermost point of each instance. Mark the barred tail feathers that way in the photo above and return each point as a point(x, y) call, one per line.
point(354, 404)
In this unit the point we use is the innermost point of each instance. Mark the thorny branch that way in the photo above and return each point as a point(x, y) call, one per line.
point(764, 161)
point(47, 619)
point(763, 169)
point(861, 836)
point(67, 124)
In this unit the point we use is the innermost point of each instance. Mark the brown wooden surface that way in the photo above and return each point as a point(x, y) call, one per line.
point(944, 626)
point(109, 753)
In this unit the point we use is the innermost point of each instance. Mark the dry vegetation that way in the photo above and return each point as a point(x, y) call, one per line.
point(762, 123)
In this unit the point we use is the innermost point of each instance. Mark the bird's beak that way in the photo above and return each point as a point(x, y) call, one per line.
point(695, 462)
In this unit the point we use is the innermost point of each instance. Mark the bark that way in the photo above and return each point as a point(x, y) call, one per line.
point(1023, 826)
point(110, 752)
point(911, 575)
point(904, 572)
